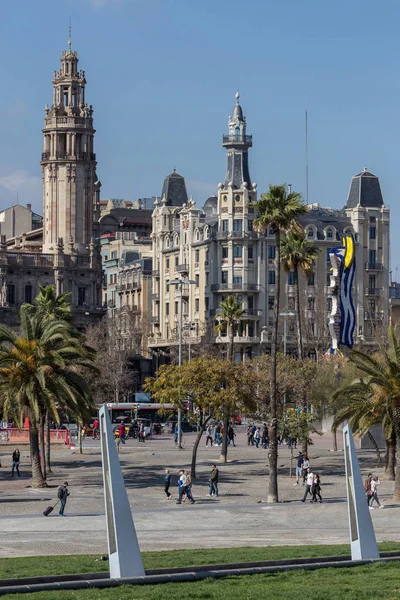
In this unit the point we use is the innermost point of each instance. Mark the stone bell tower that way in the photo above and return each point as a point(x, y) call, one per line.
point(71, 190)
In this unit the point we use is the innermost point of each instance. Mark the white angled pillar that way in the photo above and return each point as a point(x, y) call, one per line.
point(123, 548)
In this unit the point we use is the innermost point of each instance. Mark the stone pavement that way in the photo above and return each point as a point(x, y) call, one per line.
point(239, 517)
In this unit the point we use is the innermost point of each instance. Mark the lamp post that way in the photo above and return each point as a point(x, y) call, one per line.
point(180, 283)
point(285, 315)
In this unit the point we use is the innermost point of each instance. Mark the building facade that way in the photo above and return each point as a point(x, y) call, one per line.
point(216, 249)
point(64, 252)
point(17, 220)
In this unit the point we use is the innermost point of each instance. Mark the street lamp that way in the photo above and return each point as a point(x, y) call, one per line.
point(285, 315)
point(181, 283)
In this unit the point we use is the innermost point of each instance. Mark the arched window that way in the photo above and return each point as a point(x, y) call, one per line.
point(329, 233)
point(237, 132)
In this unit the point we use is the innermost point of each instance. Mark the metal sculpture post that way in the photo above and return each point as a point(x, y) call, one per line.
point(362, 535)
point(123, 547)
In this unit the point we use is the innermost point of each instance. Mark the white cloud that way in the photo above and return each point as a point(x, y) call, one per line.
point(18, 109)
point(21, 184)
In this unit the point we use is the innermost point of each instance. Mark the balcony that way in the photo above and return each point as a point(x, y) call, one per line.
point(237, 139)
point(184, 268)
point(374, 315)
point(373, 266)
point(290, 290)
point(238, 339)
point(235, 287)
point(373, 291)
point(248, 312)
point(111, 304)
point(128, 286)
point(156, 272)
point(185, 291)
point(65, 156)
point(222, 235)
point(155, 319)
point(155, 296)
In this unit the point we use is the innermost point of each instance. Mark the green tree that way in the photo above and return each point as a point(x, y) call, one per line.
point(232, 311)
point(298, 255)
point(204, 389)
point(48, 304)
point(279, 210)
point(383, 376)
point(39, 372)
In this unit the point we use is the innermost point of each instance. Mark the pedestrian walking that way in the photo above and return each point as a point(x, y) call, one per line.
point(167, 483)
point(188, 487)
point(15, 462)
point(121, 430)
point(309, 484)
point(374, 485)
point(214, 481)
point(118, 442)
point(316, 488)
point(62, 495)
point(181, 485)
point(367, 488)
point(306, 464)
point(257, 437)
point(299, 467)
point(264, 437)
point(231, 436)
point(209, 437)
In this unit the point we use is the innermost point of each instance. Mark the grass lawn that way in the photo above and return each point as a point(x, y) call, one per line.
point(372, 581)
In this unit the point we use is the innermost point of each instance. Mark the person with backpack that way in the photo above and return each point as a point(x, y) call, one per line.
point(62, 495)
point(374, 485)
point(214, 481)
point(367, 488)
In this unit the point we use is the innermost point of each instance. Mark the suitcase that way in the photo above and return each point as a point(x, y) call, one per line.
point(48, 510)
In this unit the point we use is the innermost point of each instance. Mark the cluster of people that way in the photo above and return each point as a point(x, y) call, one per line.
point(311, 480)
point(185, 485)
point(214, 435)
point(371, 490)
point(256, 436)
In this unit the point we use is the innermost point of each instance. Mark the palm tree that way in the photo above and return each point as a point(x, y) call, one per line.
point(298, 254)
point(39, 372)
point(383, 375)
point(278, 210)
point(47, 304)
point(232, 311)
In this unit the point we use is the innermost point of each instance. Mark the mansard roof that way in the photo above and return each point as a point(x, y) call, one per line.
point(365, 190)
point(174, 190)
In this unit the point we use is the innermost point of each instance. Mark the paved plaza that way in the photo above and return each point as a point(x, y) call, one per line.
point(238, 517)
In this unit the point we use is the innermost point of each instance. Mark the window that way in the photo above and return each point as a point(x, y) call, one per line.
point(372, 257)
point(197, 280)
point(207, 302)
point(328, 279)
point(11, 293)
point(271, 231)
point(271, 302)
point(197, 256)
point(250, 302)
point(372, 233)
point(290, 278)
point(271, 252)
point(28, 294)
point(207, 278)
point(371, 305)
point(328, 250)
point(237, 251)
point(81, 296)
point(329, 234)
point(237, 198)
point(167, 309)
point(113, 255)
point(225, 198)
point(225, 225)
point(176, 261)
point(310, 233)
point(329, 305)
point(251, 329)
point(271, 277)
point(250, 252)
point(311, 279)
point(224, 251)
point(290, 303)
point(372, 282)
point(311, 303)
point(167, 263)
point(224, 276)
point(197, 305)
point(237, 225)
point(250, 225)
point(237, 281)
point(176, 309)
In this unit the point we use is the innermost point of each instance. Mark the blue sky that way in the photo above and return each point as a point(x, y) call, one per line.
point(162, 75)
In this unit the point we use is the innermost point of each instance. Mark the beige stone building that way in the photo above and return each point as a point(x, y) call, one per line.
point(63, 253)
point(216, 249)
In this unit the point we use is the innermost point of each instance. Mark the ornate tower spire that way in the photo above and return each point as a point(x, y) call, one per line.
point(71, 190)
point(237, 144)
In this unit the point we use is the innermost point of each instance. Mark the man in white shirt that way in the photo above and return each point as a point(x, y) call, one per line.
point(309, 483)
point(182, 485)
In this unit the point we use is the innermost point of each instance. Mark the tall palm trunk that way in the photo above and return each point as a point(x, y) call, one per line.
point(37, 475)
point(48, 465)
point(42, 446)
point(297, 310)
point(391, 457)
point(225, 418)
point(396, 426)
point(273, 434)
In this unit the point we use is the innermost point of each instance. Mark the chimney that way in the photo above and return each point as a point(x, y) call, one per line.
point(29, 206)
